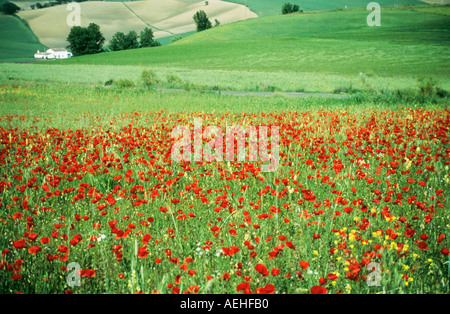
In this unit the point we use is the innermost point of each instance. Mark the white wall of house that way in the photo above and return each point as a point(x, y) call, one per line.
point(53, 54)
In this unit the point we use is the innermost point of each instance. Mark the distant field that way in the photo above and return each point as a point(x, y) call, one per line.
point(273, 7)
point(165, 17)
point(437, 1)
point(17, 41)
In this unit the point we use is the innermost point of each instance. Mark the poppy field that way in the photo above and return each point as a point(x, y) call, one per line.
point(92, 202)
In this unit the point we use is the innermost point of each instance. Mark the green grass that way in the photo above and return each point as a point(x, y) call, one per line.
point(168, 39)
point(225, 80)
point(273, 7)
point(17, 41)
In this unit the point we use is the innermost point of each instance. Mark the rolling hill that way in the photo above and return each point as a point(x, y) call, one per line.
point(18, 43)
point(407, 43)
point(165, 17)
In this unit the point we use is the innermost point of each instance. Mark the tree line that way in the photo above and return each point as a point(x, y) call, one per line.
point(90, 40)
point(9, 8)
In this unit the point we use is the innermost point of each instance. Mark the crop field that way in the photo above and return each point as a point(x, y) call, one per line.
point(165, 17)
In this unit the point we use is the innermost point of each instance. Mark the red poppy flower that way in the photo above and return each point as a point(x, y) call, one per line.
point(19, 244)
point(423, 246)
point(260, 268)
point(243, 286)
point(319, 290)
point(34, 250)
point(275, 271)
point(304, 265)
point(323, 281)
point(143, 252)
point(63, 249)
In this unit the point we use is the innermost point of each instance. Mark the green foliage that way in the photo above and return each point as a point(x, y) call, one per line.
point(428, 87)
point(146, 38)
point(174, 79)
point(149, 78)
point(9, 8)
point(120, 41)
point(109, 82)
point(202, 21)
point(289, 8)
point(176, 38)
point(348, 89)
point(265, 87)
point(85, 40)
point(124, 83)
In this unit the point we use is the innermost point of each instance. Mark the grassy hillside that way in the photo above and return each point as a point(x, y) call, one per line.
point(18, 43)
point(273, 7)
point(407, 44)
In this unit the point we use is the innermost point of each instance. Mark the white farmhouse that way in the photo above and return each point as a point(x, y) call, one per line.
point(53, 53)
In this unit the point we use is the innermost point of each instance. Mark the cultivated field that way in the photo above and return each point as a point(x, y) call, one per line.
point(166, 17)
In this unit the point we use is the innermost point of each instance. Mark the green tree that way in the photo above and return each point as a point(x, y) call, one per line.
point(85, 40)
point(202, 21)
point(146, 38)
point(9, 8)
point(288, 8)
point(120, 41)
point(149, 78)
